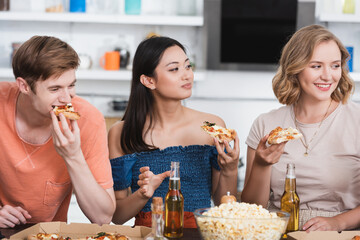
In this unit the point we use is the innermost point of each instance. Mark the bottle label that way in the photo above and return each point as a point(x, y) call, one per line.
point(175, 178)
point(289, 176)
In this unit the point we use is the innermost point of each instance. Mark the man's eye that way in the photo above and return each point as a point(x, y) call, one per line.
point(72, 85)
point(54, 89)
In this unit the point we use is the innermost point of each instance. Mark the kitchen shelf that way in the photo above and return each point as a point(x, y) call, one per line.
point(99, 74)
point(350, 18)
point(102, 18)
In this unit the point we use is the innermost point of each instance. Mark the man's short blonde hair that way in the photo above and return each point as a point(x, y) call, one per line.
point(295, 56)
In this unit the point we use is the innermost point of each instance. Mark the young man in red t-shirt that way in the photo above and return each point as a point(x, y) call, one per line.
point(44, 158)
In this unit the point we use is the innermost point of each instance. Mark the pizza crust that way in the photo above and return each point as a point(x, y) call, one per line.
point(279, 135)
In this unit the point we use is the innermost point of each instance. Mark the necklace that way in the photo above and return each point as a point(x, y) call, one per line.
point(317, 130)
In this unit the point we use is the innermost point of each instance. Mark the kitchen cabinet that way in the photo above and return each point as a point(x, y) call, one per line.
point(93, 34)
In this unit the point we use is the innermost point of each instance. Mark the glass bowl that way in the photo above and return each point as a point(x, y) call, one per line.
point(241, 228)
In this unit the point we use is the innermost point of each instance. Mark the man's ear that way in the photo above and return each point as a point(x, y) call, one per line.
point(23, 85)
point(148, 82)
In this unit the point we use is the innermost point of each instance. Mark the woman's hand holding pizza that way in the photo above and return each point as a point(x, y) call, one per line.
point(266, 156)
point(149, 182)
point(11, 216)
point(228, 161)
point(66, 141)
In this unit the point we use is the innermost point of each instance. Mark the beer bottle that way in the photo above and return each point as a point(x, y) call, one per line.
point(174, 205)
point(290, 200)
point(157, 221)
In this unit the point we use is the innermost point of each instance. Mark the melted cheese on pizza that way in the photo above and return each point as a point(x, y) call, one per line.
point(218, 132)
point(68, 107)
point(279, 135)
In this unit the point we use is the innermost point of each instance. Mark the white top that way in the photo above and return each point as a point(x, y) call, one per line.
point(328, 179)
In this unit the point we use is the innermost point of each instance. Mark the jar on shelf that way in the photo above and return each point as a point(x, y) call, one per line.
point(133, 7)
point(122, 47)
point(153, 7)
point(54, 5)
point(77, 6)
point(186, 7)
point(107, 6)
point(349, 6)
point(4, 5)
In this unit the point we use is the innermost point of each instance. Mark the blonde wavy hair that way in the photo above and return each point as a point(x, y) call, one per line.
point(295, 56)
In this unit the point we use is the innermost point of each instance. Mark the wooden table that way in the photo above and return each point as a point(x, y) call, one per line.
point(189, 233)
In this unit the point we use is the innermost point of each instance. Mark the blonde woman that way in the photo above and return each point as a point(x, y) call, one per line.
point(313, 83)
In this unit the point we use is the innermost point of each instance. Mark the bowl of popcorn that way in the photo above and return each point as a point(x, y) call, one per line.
point(243, 221)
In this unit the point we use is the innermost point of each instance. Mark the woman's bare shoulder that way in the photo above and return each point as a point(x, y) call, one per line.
point(114, 134)
point(200, 117)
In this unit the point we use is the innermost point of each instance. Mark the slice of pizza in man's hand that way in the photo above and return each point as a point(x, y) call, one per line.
point(220, 133)
point(279, 135)
point(67, 110)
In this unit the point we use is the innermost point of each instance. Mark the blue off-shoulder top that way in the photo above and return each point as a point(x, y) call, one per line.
point(196, 163)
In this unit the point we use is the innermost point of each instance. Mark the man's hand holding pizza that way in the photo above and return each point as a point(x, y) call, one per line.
point(98, 204)
point(66, 141)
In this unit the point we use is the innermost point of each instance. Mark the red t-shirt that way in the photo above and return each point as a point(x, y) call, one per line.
point(35, 177)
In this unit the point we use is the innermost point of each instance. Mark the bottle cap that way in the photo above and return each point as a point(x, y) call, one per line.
point(228, 198)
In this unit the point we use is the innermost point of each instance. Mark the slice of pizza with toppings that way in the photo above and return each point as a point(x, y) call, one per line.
point(67, 110)
point(218, 132)
point(279, 135)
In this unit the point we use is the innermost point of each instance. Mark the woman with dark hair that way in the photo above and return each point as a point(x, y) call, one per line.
point(157, 129)
point(314, 83)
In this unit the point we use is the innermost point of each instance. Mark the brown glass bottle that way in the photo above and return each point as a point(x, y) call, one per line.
point(174, 205)
point(290, 200)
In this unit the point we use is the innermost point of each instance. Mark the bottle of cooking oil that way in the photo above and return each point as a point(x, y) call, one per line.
point(174, 205)
point(290, 199)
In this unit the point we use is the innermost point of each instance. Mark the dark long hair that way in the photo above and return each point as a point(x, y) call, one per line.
point(141, 100)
